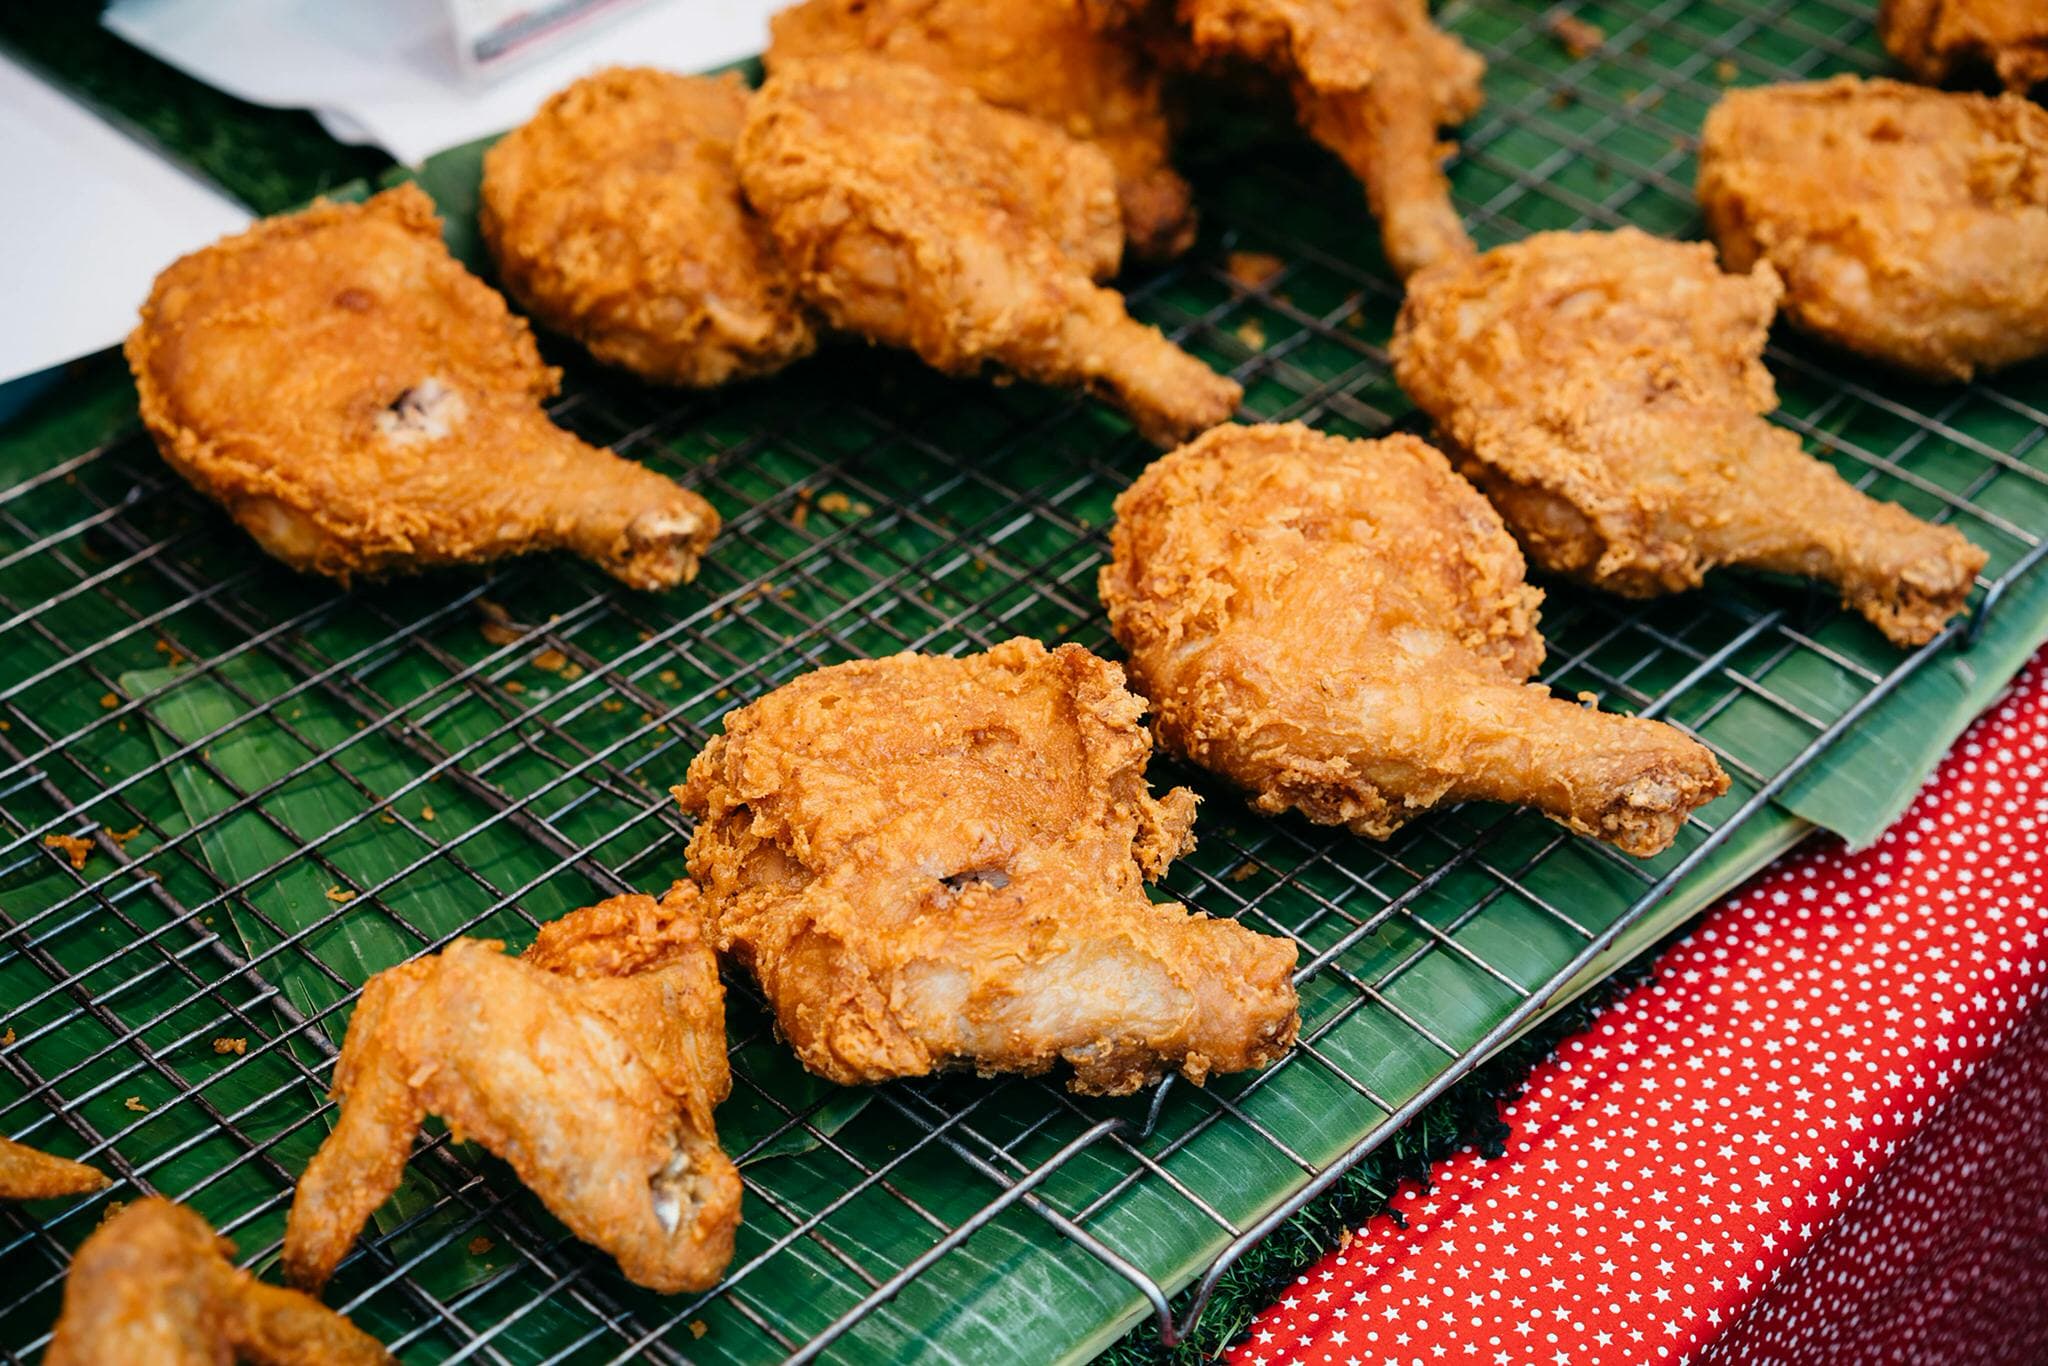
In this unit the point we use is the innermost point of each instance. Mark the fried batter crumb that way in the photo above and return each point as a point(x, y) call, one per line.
point(1252, 334)
point(136, 1104)
point(225, 1046)
point(479, 1245)
point(109, 701)
point(76, 848)
point(1253, 268)
point(1575, 35)
point(338, 895)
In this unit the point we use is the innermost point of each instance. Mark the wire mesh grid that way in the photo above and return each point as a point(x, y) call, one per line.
point(230, 794)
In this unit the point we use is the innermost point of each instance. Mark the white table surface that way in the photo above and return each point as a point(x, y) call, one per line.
point(88, 218)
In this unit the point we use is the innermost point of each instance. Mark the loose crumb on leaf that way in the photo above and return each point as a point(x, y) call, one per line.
point(1253, 268)
point(1575, 35)
point(76, 848)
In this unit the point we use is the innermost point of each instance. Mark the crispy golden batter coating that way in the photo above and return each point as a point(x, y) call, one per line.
point(917, 214)
point(26, 1174)
point(154, 1284)
point(591, 1064)
point(1606, 391)
point(361, 404)
point(1907, 224)
point(1373, 81)
point(932, 862)
point(616, 218)
point(1044, 58)
point(1341, 628)
point(1940, 39)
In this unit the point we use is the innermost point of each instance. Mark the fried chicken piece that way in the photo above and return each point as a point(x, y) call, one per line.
point(1044, 58)
point(1907, 224)
point(1373, 81)
point(591, 1063)
point(1606, 391)
point(1341, 628)
point(615, 217)
point(361, 404)
point(154, 1284)
point(26, 1174)
point(919, 215)
point(932, 862)
point(1939, 40)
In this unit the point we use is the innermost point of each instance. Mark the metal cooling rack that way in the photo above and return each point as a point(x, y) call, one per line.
point(871, 508)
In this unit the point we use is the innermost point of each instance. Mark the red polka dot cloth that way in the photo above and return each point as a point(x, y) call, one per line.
point(1818, 1135)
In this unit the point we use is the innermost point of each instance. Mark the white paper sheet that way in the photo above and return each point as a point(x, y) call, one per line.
point(384, 71)
point(88, 218)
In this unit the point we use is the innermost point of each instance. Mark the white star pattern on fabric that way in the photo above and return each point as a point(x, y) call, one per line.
point(1754, 1157)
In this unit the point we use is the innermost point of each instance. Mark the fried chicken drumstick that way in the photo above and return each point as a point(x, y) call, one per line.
point(1039, 57)
point(1341, 628)
point(615, 217)
point(1939, 40)
point(154, 1284)
point(1606, 391)
point(932, 862)
point(1373, 81)
point(916, 214)
point(591, 1063)
point(361, 404)
point(1908, 224)
point(26, 1174)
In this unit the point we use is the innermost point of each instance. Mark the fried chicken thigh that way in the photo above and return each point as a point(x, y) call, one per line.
point(1039, 57)
point(1341, 628)
point(932, 862)
point(26, 1174)
point(591, 1063)
point(1373, 81)
point(1606, 391)
point(916, 214)
point(1938, 40)
point(615, 217)
point(154, 1284)
point(361, 404)
point(1908, 224)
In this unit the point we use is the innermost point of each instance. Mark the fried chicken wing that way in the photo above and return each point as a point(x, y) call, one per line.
point(1373, 81)
point(1908, 224)
point(154, 1284)
point(26, 1174)
point(1341, 628)
point(932, 862)
point(1044, 58)
point(615, 217)
point(919, 215)
point(361, 404)
point(591, 1064)
point(1606, 391)
point(1938, 40)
